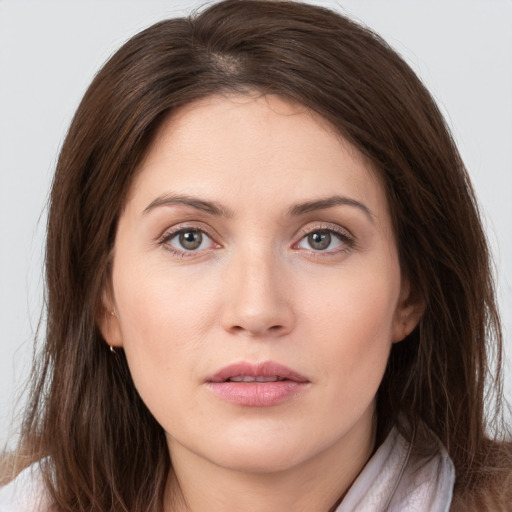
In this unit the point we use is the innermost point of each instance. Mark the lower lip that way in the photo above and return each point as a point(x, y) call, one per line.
point(257, 394)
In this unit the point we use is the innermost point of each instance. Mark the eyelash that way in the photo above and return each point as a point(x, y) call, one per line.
point(344, 236)
point(169, 235)
point(347, 240)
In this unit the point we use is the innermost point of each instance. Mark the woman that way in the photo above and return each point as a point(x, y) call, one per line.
point(268, 285)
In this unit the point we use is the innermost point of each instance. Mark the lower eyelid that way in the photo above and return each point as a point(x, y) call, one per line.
point(346, 242)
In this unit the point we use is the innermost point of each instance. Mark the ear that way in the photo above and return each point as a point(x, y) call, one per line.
point(108, 321)
point(408, 313)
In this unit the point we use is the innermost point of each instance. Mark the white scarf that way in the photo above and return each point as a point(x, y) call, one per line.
point(395, 481)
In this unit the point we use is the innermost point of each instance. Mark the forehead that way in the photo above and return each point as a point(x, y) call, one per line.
point(253, 144)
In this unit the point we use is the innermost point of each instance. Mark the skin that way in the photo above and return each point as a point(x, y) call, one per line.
point(257, 289)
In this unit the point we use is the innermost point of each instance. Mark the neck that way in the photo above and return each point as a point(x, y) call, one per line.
point(315, 485)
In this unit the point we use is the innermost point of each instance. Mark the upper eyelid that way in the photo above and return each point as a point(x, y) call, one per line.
point(184, 226)
point(169, 234)
point(325, 226)
point(343, 234)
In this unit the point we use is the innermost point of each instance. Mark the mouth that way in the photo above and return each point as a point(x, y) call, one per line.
point(257, 385)
point(268, 371)
point(258, 378)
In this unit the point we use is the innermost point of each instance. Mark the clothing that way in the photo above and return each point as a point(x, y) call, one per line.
point(392, 481)
point(25, 493)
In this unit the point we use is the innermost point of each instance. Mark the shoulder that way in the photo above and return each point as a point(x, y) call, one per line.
point(26, 493)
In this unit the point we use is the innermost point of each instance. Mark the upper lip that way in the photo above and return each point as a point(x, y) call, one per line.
point(263, 369)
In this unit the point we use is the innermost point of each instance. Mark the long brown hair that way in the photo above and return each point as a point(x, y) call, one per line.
point(99, 447)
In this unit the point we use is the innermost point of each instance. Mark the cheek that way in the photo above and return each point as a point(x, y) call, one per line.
point(352, 322)
point(163, 319)
point(163, 328)
point(159, 305)
point(358, 305)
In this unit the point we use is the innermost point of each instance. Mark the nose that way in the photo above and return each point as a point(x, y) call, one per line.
point(257, 298)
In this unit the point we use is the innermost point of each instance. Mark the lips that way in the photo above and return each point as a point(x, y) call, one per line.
point(262, 372)
point(257, 385)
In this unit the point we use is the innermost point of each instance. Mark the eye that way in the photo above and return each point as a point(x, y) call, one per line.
point(327, 240)
point(187, 240)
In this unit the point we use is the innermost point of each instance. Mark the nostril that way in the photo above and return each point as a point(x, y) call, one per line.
point(272, 330)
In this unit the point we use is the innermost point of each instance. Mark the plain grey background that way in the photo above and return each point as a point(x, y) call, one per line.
point(50, 50)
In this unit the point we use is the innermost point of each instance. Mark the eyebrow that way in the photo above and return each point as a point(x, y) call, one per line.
point(330, 202)
point(217, 209)
point(211, 207)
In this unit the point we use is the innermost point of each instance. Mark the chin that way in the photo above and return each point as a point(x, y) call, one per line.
point(260, 459)
point(268, 450)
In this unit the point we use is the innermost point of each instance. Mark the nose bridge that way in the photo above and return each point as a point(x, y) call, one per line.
point(257, 301)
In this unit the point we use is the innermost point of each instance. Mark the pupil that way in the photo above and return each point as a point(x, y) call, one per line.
point(319, 240)
point(191, 239)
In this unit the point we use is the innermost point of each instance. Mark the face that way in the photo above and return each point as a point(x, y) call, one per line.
point(255, 285)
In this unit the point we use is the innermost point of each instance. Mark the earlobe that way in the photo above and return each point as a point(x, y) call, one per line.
point(406, 322)
point(108, 322)
point(407, 315)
